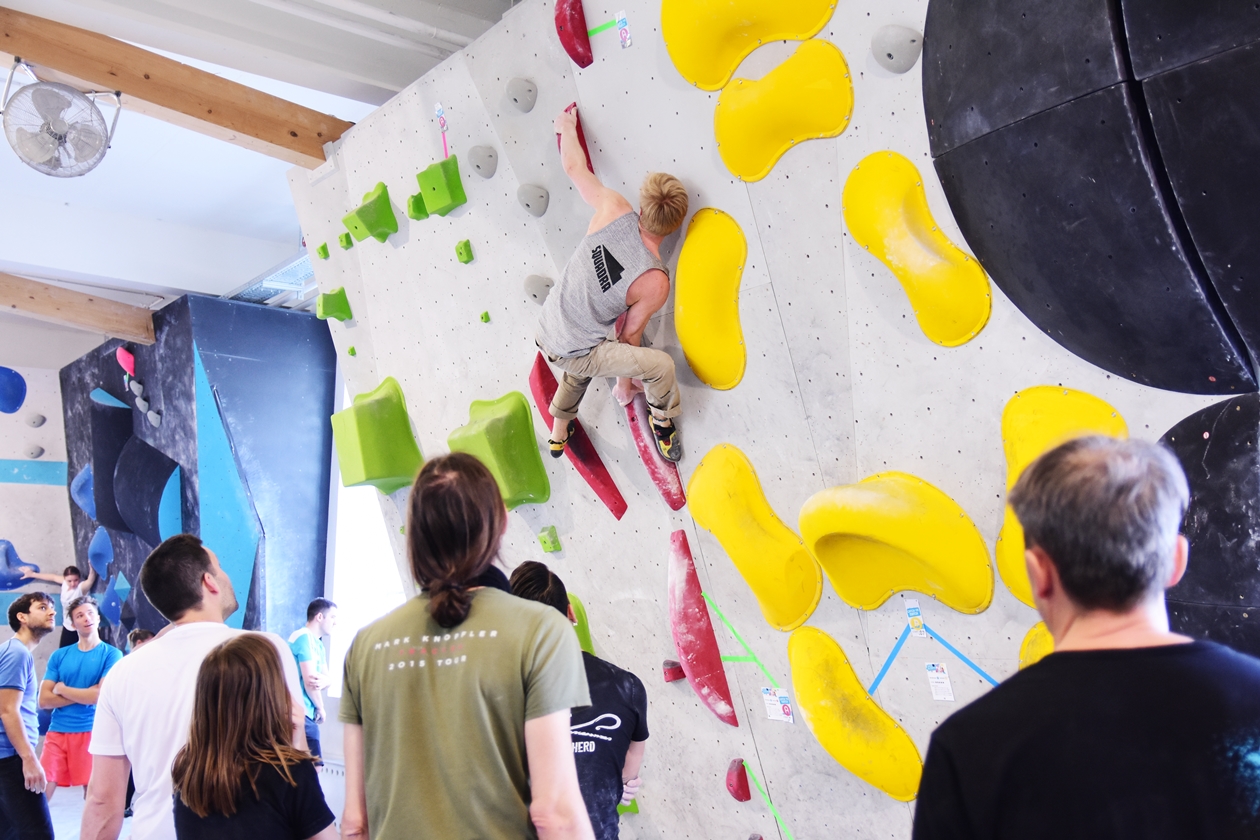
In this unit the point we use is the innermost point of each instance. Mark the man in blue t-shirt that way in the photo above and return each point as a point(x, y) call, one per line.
point(609, 736)
point(71, 685)
point(307, 645)
point(23, 807)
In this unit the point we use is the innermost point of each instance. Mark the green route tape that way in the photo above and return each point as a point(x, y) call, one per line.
point(787, 831)
point(603, 27)
point(751, 657)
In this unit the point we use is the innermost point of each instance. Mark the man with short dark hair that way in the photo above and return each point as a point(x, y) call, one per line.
point(23, 806)
point(72, 586)
point(71, 685)
point(307, 644)
point(610, 735)
point(1127, 730)
point(144, 710)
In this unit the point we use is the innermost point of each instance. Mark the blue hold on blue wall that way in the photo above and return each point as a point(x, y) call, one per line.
point(111, 605)
point(11, 567)
point(171, 507)
point(12, 390)
point(82, 493)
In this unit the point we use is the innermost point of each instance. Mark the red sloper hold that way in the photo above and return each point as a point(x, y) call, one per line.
point(664, 474)
point(694, 640)
point(581, 138)
point(737, 781)
point(581, 452)
point(126, 360)
point(571, 27)
point(672, 671)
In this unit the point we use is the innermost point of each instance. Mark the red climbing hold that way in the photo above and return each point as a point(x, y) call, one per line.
point(126, 360)
point(672, 671)
point(571, 27)
point(581, 138)
point(664, 474)
point(581, 452)
point(689, 621)
point(737, 781)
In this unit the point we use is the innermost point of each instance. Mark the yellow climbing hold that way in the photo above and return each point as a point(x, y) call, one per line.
point(706, 299)
point(1034, 421)
point(806, 97)
point(726, 499)
point(707, 39)
point(887, 213)
point(892, 532)
point(861, 736)
point(1037, 645)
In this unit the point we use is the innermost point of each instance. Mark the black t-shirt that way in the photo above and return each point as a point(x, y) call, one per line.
point(281, 811)
point(602, 733)
point(1157, 743)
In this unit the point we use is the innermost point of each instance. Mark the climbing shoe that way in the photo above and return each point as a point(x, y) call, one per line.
point(667, 441)
point(557, 446)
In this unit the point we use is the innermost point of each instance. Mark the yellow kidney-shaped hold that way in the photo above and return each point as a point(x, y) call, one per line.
point(887, 213)
point(1035, 421)
point(1037, 645)
point(848, 724)
point(707, 39)
point(726, 499)
point(806, 97)
point(706, 299)
point(891, 532)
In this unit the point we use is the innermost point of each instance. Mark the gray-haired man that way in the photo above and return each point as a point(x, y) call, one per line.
point(1127, 730)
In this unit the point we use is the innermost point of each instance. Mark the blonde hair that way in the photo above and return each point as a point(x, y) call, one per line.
point(662, 203)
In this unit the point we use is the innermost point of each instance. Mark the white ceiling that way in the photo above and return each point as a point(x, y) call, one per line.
point(169, 210)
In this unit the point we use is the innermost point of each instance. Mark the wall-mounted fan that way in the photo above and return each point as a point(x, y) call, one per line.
point(55, 128)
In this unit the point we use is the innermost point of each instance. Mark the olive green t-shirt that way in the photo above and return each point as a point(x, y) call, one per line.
point(443, 714)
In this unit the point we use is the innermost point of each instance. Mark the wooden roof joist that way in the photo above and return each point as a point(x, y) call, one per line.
point(166, 89)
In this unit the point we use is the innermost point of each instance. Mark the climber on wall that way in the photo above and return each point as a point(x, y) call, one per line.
point(593, 320)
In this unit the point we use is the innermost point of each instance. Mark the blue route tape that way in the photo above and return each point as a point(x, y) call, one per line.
point(973, 666)
point(905, 634)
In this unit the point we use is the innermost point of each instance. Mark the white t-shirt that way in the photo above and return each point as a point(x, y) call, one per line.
point(145, 711)
point(67, 598)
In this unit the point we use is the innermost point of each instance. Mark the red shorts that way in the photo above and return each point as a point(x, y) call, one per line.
point(66, 759)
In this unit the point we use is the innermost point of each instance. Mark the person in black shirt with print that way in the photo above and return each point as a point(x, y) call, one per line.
point(1127, 730)
point(240, 777)
point(610, 735)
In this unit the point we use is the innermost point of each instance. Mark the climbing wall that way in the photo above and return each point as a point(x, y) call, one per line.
point(841, 382)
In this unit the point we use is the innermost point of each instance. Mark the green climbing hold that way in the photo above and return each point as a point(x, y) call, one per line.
point(346, 241)
point(549, 539)
point(441, 187)
point(485, 317)
point(463, 250)
point(633, 807)
point(500, 433)
point(322, 251)
point(333, 304)
point(582, 627)
point(352, 351)
point(415, 208)
point(374, 440)
point(374, 217)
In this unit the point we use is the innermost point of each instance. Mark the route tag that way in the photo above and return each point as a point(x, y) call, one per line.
point(916, 618)
point(938, 681)
point(778, 704)
point(440, 113)
point(623, 30)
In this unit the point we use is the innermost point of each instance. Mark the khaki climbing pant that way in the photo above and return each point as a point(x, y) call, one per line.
point(612, 358)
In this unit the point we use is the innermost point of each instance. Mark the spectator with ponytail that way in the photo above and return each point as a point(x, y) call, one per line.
point(459, 699)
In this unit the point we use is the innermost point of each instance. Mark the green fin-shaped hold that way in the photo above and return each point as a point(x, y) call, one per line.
point(374, 440)
point(374, 217)
point(441, 186)
point(333, 304)
point(500, 433)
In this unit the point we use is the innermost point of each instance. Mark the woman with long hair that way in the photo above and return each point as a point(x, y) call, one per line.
point(240, 776)
point(460, 698)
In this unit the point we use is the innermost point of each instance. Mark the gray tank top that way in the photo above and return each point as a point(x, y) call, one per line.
point(591, 294)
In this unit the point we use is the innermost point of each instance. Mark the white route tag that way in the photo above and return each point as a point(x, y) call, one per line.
point(916, 618)
point(938, 680)
point(778, 704)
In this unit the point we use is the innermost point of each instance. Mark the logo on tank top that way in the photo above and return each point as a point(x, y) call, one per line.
point(607, 270)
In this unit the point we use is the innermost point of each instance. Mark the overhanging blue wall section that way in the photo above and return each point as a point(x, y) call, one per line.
point(272, 372)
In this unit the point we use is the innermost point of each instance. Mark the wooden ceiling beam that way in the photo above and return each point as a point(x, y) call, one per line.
point(168, 90)
point(75, 309)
